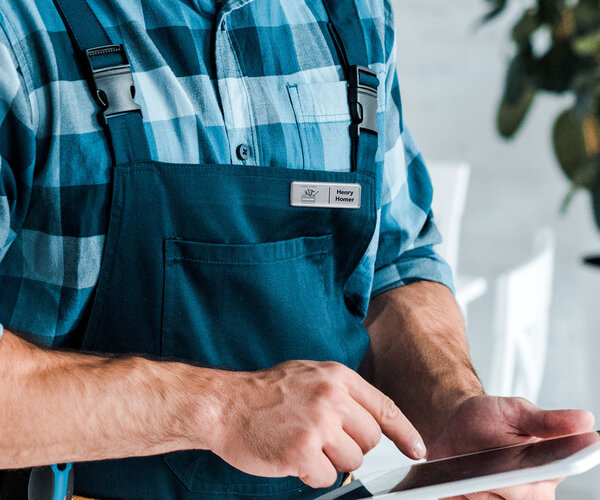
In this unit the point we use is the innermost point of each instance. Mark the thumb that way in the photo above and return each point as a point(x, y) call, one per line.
point(533, 421)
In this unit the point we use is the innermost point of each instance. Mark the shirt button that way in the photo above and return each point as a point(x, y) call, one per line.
point(243, 152)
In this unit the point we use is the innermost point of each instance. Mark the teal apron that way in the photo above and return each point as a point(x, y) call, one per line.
point(213, 264)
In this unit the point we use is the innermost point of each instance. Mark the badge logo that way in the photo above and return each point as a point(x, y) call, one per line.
point(309, 196)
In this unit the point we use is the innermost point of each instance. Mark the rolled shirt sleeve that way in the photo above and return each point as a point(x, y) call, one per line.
point(407, 232)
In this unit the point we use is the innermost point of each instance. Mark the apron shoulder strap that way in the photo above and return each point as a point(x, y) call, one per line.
point(349, 38)
point(82, 24)
point(109, 75)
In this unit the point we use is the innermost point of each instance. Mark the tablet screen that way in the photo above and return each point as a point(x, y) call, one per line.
point(517, 457)
point(474, 465)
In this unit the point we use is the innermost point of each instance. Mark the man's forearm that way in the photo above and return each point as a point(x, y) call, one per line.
point(419, 355)
point(63, 407)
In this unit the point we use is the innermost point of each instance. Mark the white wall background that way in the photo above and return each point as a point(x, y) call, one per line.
point(451, 76)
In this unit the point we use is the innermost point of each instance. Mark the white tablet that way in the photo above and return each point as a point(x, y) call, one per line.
point(482, 471)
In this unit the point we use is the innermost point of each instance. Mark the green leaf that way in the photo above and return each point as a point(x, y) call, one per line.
point(571, 152)
point(587, 45)
point(518, 96)
point(526, 26)
point(497, 7)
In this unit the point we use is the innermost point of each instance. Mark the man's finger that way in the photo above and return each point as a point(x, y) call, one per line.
point(343, 452)
point(547, 423)
point(361, 426)
point(536, 491)
point(392, 421)
point(488, 495)
point(319, 473)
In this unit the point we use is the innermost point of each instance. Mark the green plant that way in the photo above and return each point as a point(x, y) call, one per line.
point(568, 62)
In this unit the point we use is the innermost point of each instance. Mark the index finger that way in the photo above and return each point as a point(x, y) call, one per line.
point(392, 421)
point(536, 491)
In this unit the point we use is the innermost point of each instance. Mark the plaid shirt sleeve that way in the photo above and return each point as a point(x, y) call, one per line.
point(407, 234)
point(17, 146)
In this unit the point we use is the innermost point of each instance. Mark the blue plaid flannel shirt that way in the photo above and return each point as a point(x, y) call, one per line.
point(257, 73)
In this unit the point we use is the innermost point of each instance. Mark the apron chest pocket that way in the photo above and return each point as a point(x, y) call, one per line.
point(251, 306)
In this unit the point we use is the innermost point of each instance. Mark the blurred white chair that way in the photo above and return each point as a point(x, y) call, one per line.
point(521, 324)
point(450, 185)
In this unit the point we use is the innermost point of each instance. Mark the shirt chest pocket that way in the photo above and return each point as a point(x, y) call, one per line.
point(323, 119)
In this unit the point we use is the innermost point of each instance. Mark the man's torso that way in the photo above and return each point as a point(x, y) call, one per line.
point(263, 76)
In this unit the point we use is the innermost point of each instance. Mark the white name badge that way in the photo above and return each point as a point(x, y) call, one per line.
point(325, 194)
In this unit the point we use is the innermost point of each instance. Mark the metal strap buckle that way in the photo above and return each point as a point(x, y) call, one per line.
point(362, 99)
point(114, 89)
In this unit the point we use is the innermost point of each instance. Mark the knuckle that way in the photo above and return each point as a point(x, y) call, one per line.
point(308, 479)
point(293, 363)
point(335, 369)
point(373, 439)
point(324, 390)
point(389, 410)
point(323, 479)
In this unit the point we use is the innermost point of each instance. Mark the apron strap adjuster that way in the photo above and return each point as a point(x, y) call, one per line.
point(112, 80)
point(362, 99)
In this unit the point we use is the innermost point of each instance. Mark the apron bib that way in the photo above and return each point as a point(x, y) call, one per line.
point(213, 264)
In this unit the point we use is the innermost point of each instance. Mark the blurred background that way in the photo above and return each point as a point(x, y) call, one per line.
point(452, 73)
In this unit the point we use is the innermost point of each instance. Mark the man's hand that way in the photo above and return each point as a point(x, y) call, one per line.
point(484, 422)
point(417, 335)
point(307, 419)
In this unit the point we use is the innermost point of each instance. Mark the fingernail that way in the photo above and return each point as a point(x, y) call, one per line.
point(419, 449)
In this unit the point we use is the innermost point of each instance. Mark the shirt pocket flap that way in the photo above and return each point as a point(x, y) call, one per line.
point(323, 102)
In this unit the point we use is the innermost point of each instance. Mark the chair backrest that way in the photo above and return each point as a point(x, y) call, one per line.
point(521, 324)
point(450, 185)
